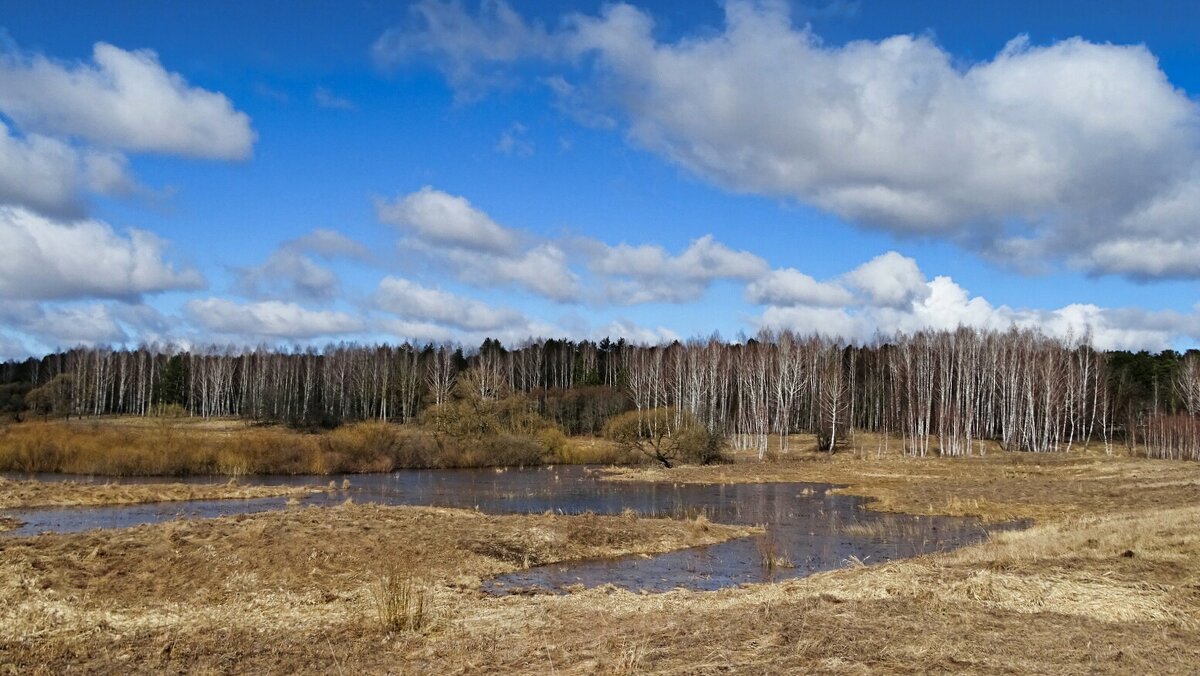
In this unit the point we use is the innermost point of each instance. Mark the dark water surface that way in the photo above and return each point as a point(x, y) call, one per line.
point(806, 524)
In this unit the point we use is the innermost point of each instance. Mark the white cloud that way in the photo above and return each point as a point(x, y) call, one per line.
point(270, 319)
point(329, 244)
point(465, 47)
point(648, 273)
point(413, 302)
point(452, 233)
point(123, 100)
point(634, 333)
point(290, 272)
point(441, 218)
point(48, 175)
point(47, 259)
point(889, 279)
point(790, 287)
point(1071, 152)
point(1058, 145)
point(69, 326)
point(426, 314)
point(327, 99)
point(514, 140)
point(64, 326)
point(542, 269)
point(825, 321)
point(887, 304)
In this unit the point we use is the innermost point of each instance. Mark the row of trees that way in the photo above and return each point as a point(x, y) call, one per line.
point(941, 392)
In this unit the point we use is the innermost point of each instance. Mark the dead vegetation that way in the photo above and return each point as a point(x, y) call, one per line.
point(26, 494)
point(126, 446)
point(999, 486)
point(1107, 581)
point(254, 593)
point(299, 591)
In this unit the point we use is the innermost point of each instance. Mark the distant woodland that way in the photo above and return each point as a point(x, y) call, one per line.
point(939, 392)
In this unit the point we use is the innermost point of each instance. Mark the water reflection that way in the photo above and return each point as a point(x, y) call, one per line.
point(809, 529)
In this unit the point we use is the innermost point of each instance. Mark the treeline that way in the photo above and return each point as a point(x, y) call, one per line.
point(941, 392)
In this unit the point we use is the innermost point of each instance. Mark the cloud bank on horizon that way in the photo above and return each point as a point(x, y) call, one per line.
point(1071, 158)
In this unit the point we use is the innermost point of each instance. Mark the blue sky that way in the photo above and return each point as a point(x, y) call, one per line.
point(315, 172)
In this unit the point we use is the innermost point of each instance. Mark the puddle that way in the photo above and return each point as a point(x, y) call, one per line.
point(809, 529)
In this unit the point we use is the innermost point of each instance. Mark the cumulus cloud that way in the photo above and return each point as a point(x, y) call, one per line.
point(1056, 146)
point(451, 232)
point(542, 269)
point(648, 273)
point(48, 175)
point(290, 272)
point(889, 279)
point(65, 325)
point(428, 314)
point(329, 244)
point(789, 287)
point(47, 259)
point(269, 319)
point(891, 295)
point(1071, 152)
point(441, 218)
point(411, 301)
point(123, 100)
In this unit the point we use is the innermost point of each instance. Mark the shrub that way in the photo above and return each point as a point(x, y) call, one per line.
point(663, 436)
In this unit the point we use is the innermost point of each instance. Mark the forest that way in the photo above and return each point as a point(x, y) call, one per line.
point(944, 393)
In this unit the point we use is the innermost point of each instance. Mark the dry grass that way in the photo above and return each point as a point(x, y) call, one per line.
point(274, 591)
point(403, 602)
point(25, 494)
point(773, 557)
point(595, 451)
point(288, 592)
point(999, 486)
point(125, 446)
point(1108, 581)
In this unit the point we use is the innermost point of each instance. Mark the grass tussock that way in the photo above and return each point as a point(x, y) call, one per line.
point(403, 602)
point(177, 447)
point(771, 554)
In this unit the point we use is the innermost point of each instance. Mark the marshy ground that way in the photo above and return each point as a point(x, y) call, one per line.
point(18, 494)
point(1107, 580)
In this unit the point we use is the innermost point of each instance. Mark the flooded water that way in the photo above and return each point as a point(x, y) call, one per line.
point(809, 529)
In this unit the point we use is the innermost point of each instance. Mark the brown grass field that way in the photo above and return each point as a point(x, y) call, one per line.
point(1106, 581)
point(132, 446)
point(25, 494)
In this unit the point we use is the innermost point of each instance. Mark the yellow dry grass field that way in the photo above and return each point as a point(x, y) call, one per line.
point(301, 590)
point(26, 494)
point(1106, 581)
